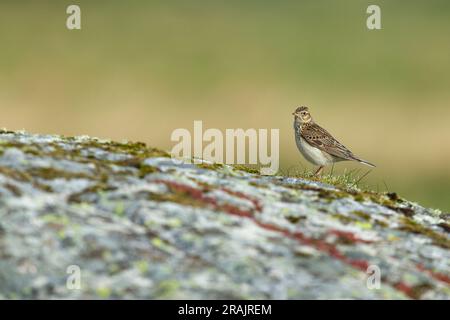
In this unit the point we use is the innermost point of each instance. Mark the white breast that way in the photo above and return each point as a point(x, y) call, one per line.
point(312, 154)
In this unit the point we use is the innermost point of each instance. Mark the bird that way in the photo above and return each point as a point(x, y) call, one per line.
point(317, 145)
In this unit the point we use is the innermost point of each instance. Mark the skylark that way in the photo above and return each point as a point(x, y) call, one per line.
point(317, 145)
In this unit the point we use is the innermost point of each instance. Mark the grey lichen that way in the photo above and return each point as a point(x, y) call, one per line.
point(139, 225)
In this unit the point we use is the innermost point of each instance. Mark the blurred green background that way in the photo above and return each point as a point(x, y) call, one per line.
point(139, 69)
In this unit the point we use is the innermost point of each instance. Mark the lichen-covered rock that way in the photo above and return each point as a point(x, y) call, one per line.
point(139, 225)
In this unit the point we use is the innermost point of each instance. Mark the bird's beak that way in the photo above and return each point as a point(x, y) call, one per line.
point(293, 113)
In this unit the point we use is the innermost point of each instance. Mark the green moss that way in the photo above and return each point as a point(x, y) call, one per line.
point(388, 200)
point(157, 242)
point(385, 199)
point(247, 169)
point(137, 149)
point(360, 219)
point(176, 197)
point(24, 147)
point(258, 185)
point(342, 218)
point(5, 131)
point(349, 185)
point(13, 189)
point(23, 177)
point(210, 166)
point(144, 170)
point(103, 292)
point(174, 223)
point(15, 174)
point(142, 266)
point(419, 290)
point(96, 189)
point(322, 193)
point(167, 288)
point(412, 226)
point(119, 210)
point(381, 223)
point(294, 219)
point(55, 219)
point(359, 197)
point(51, 173)
point(363, 225)
point(362, 215)
point(332, 194)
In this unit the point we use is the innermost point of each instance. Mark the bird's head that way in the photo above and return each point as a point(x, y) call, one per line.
point(302, 114)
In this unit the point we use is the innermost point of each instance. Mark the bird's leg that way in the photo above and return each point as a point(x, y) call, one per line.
point(319, 171)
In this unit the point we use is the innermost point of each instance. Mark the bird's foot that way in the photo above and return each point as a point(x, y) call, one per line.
point(319, 171)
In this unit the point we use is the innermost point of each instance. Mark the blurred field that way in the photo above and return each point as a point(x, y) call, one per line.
point(139, 69)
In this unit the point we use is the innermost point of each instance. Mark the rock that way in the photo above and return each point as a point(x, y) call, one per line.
point(126, 221)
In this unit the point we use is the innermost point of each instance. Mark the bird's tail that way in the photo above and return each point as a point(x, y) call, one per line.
point(367, 163)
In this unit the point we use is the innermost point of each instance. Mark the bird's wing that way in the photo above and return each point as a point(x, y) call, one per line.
point(318, 137)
